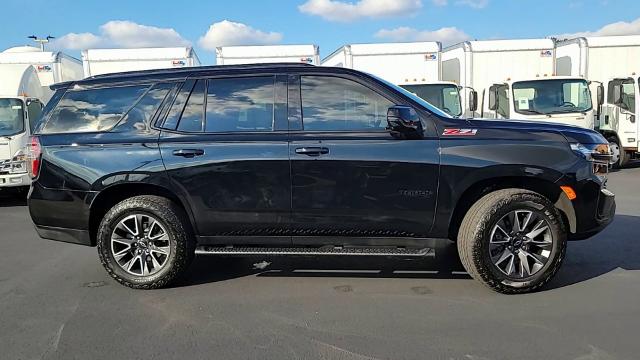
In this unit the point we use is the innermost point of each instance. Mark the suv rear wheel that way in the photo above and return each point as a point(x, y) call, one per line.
point(144, 242)
point(512, 240)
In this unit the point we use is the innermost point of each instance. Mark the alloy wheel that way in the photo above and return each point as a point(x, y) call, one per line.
point(520, 244)
point(140, 245)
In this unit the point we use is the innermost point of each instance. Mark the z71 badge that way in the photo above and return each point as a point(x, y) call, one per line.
point(459, 132)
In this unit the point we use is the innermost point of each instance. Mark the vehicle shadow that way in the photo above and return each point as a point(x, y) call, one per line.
point(614, 248)
point(445, 264)
point(12, 198)
point(617, 247)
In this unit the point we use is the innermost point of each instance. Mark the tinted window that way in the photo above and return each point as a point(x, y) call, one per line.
point(178, 105)
point(140, 115)
point(193, 114)
point(335, 104)
point(92, 110)
point(240, 104)
point(34, 109)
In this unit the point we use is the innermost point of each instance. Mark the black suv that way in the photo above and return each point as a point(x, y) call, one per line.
point(153, 167)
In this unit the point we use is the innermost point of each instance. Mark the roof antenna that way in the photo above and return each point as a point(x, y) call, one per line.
point(41, 41)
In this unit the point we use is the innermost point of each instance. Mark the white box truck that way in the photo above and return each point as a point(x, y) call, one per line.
point(415, 66)
point(107, 61)
point(260, 54)
point(613, 62)
point(515, 79)
point(26, 74)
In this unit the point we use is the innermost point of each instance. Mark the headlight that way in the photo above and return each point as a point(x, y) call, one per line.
point(599, 154)
point(19, 162)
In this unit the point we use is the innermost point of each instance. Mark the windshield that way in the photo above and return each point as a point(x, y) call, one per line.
point(414, 97)
point(11, 117)
point(551, 96)
point(444, 96)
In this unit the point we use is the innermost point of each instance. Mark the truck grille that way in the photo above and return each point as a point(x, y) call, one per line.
point(5, 166)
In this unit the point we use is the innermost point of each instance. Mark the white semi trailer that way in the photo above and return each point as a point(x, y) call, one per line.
point(415, 66)
point(107, 61)
point(614, 62)
point(515, 79)
point(259, 54)
point(26, 74)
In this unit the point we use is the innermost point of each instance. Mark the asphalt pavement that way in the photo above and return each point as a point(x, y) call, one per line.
point(56, 302)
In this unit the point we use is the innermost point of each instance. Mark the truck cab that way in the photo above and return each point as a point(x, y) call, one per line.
point(557, 99)
point(20, 108)
point(618, 118)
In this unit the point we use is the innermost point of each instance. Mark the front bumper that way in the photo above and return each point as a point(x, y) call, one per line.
point(14, 180)
point(594, 215)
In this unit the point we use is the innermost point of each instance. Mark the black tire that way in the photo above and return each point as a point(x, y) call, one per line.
point(624, 157)
point(475, 233)
point(181, 240)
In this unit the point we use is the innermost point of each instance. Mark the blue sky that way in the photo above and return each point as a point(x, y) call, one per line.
point(328, 23)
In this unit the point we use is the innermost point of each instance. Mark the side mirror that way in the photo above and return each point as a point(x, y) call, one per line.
point(473, 101)
point(403, 122)
point(493, 99)
point(617, 95)
point(600, 95)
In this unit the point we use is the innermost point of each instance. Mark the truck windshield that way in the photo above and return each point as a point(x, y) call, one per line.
point(443, 96)
point(551, 96)
point(11, 117)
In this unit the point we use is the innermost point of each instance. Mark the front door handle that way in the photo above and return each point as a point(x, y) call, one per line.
point(188, 153)
point(312, 151)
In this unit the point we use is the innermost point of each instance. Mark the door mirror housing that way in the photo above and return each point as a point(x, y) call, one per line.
point(473, 101)
point(600, 95)
point(403, 122)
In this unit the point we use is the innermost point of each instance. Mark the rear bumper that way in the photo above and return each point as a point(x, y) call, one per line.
point(15, 180)
point(73, 236)
point(61, 215)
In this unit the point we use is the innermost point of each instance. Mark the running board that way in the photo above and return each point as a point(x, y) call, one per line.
point(323, 251)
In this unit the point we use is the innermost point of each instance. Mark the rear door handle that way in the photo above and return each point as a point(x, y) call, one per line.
point(312, 151)
point(188, 153)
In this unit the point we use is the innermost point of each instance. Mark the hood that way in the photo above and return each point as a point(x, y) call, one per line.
point(572, 133)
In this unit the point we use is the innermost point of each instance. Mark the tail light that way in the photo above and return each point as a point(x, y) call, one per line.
point(34, 154)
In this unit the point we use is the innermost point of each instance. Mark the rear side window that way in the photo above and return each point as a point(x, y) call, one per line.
point(193, 114)
point(240, 104)
point(336, 104)
point(92, 109)
point(140, 115)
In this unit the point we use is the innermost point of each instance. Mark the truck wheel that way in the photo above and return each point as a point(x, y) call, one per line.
point(512, 240)
point(145, 242)
point(620, 157)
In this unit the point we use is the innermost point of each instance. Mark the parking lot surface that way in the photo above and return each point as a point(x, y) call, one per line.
point(56, 302)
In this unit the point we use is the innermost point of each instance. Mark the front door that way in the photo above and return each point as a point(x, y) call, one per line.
point(225, 150)
point(350, 178)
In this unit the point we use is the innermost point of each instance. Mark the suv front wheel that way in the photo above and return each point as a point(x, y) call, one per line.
point(144, 242)
point(512, 240)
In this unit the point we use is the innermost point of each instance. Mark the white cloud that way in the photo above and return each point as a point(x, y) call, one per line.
point(476, 4)
point(344, 11)
point(617, 28)
point(123, 34)
point(440, 2)
point(446, 35)
point(226, 33)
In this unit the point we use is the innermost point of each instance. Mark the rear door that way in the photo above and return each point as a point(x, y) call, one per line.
point(350, 178)
point(225, 148)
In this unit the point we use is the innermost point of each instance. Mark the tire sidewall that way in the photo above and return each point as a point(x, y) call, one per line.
point(523, 201)
point(111, 220)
